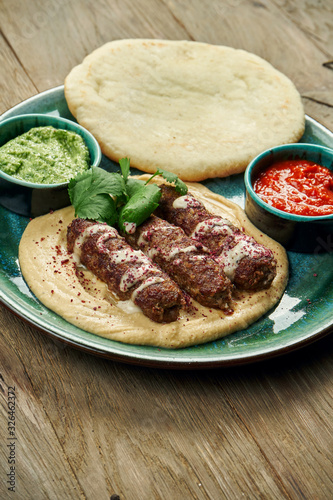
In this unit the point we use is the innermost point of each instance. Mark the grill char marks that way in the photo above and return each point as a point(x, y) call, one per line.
point(248, 264)
point(128, 273)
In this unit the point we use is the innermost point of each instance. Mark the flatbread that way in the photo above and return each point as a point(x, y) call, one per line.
point(83, 300)
point(195, 109)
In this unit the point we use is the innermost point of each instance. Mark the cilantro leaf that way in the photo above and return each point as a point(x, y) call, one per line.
point(180, 186)
point(133, 185)
point(103, 209)
point(85, 190)
point(124, 167)
point(140, 206)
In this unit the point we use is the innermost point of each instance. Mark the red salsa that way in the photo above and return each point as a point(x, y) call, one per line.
point(298, 187)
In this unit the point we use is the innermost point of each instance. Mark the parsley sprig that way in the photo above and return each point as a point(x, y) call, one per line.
point(116, 198)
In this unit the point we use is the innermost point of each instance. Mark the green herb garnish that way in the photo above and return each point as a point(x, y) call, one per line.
point(139, 206)
point(116, 198)
point(180, 186)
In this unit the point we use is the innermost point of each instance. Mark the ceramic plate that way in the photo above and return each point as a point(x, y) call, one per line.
point(303, 315)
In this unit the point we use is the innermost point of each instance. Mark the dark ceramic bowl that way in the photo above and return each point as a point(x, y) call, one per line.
point(298, 232)
point(27, 198)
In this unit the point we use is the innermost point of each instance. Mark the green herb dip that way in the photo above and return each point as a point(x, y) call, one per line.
point(45, 155)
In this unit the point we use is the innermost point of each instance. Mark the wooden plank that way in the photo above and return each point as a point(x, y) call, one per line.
point(287, 406)
point(30, 26)
point(41, 465)
point(132, 431)
point(140, 432)
point(314, 19)
point(320, 112)
point(15, 85)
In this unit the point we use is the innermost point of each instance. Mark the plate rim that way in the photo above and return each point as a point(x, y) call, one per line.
point(146, 359)
point(149, 362)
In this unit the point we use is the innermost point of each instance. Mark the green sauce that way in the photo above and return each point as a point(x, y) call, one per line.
point(45, 155)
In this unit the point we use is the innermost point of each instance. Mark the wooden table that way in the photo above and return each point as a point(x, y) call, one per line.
point(92, 428)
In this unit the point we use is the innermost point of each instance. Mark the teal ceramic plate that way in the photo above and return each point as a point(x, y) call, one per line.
point(303, 315)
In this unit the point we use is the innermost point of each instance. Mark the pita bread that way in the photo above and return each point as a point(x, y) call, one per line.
point(84, 300)
point(195, 109)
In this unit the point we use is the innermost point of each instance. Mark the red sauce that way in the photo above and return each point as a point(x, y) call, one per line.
point(299, 187)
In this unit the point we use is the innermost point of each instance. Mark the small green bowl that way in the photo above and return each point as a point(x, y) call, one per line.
point(296, 232)
point(27, 198)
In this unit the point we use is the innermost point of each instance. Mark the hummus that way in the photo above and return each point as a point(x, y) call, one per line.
point(83, 300)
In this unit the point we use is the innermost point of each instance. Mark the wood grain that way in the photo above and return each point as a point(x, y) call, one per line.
point(92, 428)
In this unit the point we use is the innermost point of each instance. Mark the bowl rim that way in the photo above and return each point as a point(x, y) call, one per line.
point(269, 208)
point(52, 118)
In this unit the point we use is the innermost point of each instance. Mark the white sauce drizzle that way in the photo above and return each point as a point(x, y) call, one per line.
point(126, 255)
point(230, 258)
point(128, 306)
point(152, 252)
point(214, 225)
point(186, 201)
point(130, 227)
point(134, 274)
point(148, 282)
point(176, 250)
point(198, 257)
point(108, 232)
